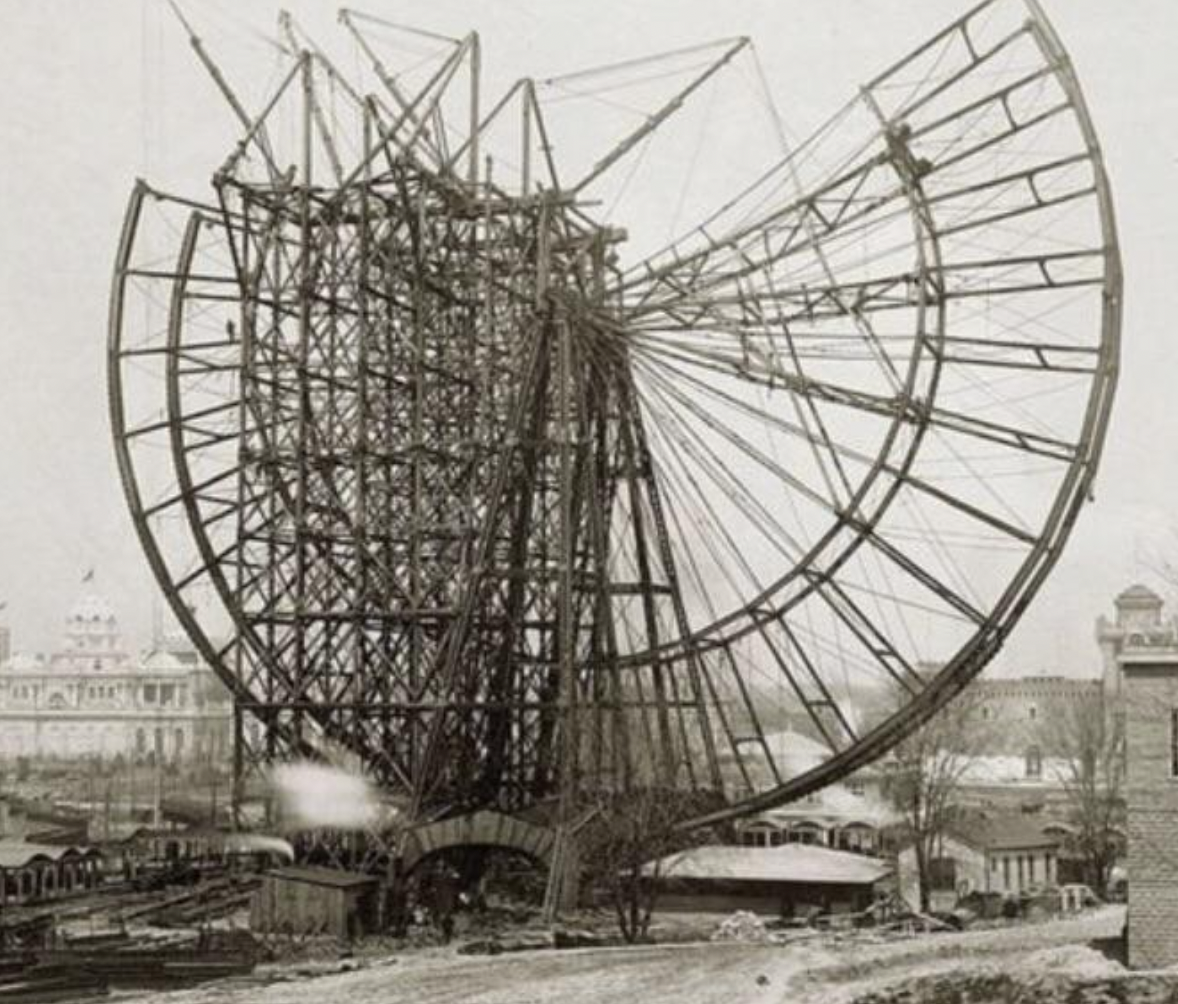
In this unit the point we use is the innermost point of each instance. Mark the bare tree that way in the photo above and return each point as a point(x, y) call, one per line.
point(623, 846)
point(1087, 740)
point(924, 776)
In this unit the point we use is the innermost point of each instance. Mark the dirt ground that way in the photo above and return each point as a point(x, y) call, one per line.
point(982, 967)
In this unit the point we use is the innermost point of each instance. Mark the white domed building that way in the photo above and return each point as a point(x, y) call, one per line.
point(92, 699)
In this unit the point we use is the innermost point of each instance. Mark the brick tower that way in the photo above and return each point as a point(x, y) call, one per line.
point(1149, 677)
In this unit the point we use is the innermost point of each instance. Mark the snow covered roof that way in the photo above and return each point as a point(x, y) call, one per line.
point(793, 752)
point(25, 662)
point(162, 661)
point(17, 853)
point(1013, 770)
point(802, 863)
point(834, 805)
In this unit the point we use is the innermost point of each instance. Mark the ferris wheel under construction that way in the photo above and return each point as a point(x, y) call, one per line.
point(433, 466)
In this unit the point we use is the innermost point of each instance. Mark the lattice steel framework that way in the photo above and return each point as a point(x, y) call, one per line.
point(424, 467)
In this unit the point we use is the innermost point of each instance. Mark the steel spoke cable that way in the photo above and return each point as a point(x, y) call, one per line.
point(693, 441)
point(723, 566)
point(871, 536)
point(903, 564)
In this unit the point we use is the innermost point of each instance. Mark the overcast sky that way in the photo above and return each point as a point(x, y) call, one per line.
point(97, 92)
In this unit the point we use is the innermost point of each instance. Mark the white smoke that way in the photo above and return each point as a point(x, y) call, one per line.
point(316, 796)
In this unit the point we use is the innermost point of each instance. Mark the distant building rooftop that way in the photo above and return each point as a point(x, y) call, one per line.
point(91, 607)
point(18, 854)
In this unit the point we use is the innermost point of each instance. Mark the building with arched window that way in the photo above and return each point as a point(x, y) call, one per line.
point(92, 699)
point(848, 816)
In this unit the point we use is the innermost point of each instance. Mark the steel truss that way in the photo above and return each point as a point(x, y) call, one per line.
point(445, 482)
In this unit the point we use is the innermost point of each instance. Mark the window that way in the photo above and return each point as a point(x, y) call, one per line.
point(1032, 712)
point(149, 693)
point(1034, 762)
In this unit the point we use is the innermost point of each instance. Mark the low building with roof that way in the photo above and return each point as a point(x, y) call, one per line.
point(1008, 855)
point(790, 880)
point(92, 699)
point(33, 872)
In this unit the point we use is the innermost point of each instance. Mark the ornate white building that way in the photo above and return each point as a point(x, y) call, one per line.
point(92, 699)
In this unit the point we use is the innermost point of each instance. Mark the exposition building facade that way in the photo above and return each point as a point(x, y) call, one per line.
point(92, 699)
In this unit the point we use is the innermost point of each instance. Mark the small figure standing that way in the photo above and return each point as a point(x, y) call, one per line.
point(445, 900)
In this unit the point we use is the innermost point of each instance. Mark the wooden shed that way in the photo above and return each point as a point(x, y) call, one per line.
point(309, 900)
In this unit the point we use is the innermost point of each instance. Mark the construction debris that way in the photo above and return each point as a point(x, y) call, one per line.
point(742, 926)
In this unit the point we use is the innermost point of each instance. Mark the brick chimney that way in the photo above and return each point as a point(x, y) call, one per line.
point(1150, 695)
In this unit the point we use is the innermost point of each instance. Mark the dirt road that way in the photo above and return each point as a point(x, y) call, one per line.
point(681, 974)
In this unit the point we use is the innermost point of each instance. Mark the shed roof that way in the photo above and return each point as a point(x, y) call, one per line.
point(312, 875)
point(1005, 834)
point(800, 863)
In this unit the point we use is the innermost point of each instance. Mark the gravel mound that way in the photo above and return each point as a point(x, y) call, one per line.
point(744, 927)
